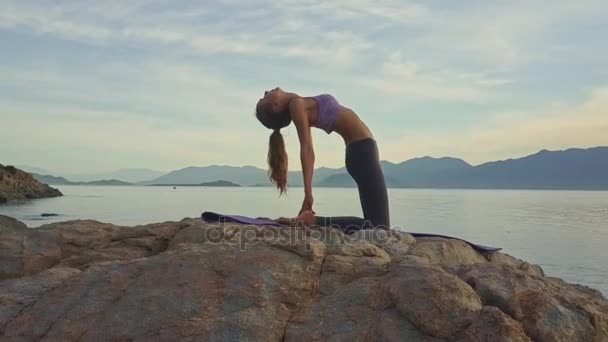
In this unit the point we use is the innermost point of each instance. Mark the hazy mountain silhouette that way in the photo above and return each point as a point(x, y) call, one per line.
point(570, 169)
point(245, 175)
point(344, 180)
point(53, 180)
point(130, 175)
point(421, 172)
point(34, 169)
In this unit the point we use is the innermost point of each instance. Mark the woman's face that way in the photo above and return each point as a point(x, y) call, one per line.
point(275, 98)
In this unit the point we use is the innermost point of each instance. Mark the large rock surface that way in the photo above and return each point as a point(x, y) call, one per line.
point(16, 185)
point(192, 281)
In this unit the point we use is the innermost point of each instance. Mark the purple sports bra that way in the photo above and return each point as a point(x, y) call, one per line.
point(328, 108)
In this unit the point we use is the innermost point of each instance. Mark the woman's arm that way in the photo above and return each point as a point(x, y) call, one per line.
point(299, 116)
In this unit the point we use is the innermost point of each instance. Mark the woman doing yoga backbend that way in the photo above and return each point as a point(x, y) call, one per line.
point(278, 109)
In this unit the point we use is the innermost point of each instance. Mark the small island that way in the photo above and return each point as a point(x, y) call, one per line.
point(220, 183)
point(106, 182)
point(217, 183)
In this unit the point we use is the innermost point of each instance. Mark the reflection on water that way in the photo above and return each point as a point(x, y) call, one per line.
point(566, 232)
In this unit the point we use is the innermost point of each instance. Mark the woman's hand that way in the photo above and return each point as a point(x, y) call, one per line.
point(307, 204)
point(307, 218)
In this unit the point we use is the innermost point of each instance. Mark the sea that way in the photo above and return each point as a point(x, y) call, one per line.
point(565, 232)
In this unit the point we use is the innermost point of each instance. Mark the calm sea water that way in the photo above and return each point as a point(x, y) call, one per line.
point(566, 232)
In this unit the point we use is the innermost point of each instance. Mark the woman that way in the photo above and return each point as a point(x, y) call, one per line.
point(278, 109)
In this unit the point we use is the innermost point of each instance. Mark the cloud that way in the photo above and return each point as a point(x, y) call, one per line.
point(188, 73)
point(398, 11)
point(405, 78)
point(175, 91)
point(503, 35)
point(114, 23)
point(513, 134)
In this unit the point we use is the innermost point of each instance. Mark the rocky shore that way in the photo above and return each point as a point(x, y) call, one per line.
point(18, 185)
point(192, 281)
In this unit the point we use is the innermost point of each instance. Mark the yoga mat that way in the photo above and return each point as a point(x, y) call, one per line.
point(212, 217)
point(479, 248)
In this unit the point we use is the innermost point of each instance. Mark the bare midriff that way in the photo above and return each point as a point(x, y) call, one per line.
point(348, 124)
point(350, 127)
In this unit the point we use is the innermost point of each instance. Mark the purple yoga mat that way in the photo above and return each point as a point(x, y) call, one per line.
point(212, 217)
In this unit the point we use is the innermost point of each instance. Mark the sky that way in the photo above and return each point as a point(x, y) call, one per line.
point(90, 86)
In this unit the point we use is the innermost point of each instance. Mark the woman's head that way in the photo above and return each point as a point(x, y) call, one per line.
point(273, 109)
point(273, 112)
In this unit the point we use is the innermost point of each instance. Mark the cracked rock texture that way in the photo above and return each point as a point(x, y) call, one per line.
point(193, 281)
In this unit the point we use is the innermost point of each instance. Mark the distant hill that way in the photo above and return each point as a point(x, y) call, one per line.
point(422, 172)
point(411, 172)
point(246, 175)
point(53, 180)
point(220, 183)
point(573, 169)
point(340, 180)
point(130, 175)
point(569, 169)
point(134, 175)
point(428, 172)
point(33, 169)
point(344, 180)
point(105, 182)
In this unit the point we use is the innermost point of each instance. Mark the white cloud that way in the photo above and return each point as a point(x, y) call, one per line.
point(405, 78)
point(500, 34)
point(466, 54)
point(112, 22)
point(399, 11)
point(154, 88)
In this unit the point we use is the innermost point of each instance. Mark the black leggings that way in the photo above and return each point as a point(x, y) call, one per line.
point(363, 164)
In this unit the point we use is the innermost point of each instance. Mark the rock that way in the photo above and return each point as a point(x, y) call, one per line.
point(10, 224)
point(436, 302)
point(438, 251)
point(493, 325)
point(78, 244)
point(549, 309)
point(48, 215)
point(351, 261)
point(349, 314)
point(11, 253)
point(506, 259)
point(193, 281)
point(18, 185)
point(17, 294)
point(396, 244)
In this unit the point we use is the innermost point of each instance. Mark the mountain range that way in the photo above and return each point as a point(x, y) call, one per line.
point(54, 180)
point(585, 169)
point(569, 169)
point(131, 175)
